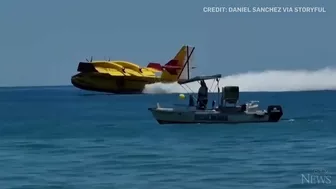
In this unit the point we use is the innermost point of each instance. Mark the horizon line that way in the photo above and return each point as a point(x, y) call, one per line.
point(34, 86)
point(69, 85)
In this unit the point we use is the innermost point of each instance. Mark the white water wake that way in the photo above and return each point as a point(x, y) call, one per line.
point(268, 80)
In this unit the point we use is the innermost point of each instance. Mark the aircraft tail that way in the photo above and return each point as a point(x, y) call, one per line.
point(177, 68)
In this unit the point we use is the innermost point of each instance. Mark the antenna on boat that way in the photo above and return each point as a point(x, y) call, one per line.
point(187, 62)
point(217, 79)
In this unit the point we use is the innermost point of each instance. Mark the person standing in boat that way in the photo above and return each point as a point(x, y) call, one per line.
point(202, 96)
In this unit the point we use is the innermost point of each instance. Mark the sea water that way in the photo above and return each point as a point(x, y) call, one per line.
point(61, 137)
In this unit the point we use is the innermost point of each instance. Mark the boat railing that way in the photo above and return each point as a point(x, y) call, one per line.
point(253, 102)
point(252, 106)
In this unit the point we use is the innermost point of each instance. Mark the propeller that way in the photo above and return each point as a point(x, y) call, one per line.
point(107, 59)
point(88, 60)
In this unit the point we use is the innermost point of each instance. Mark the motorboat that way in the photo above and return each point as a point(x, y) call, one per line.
point(228, 110)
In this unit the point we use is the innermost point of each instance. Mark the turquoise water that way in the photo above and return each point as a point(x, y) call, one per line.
point(61, 137)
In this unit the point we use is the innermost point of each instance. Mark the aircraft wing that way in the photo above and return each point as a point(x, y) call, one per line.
point(115, 68)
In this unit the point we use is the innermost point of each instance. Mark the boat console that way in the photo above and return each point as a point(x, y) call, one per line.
point(230, 98)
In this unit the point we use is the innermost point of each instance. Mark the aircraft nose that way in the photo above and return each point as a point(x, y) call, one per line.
point(75, 79)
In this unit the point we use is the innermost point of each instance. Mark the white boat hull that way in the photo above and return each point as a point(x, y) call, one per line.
point(191, 115)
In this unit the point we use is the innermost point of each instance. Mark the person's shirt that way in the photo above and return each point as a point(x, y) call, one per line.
point(203, 92)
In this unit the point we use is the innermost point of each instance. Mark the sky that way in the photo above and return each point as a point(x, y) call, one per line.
point(41, 42)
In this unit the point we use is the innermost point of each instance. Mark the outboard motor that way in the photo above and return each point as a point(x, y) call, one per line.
point(274, 112)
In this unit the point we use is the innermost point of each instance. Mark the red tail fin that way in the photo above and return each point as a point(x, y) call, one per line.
point(171, 67)
point(172, 63)
point(156, 66)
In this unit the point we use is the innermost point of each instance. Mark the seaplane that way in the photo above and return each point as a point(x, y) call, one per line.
point(228, 111)
point(123, 77)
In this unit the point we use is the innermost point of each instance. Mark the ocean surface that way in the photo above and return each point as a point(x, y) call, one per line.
point(62, 137)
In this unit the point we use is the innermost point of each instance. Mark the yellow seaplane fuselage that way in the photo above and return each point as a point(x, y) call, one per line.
point(124, 77)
